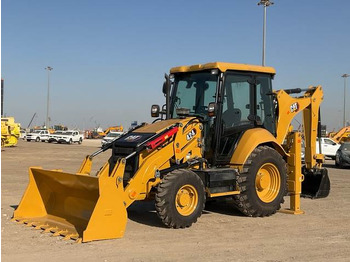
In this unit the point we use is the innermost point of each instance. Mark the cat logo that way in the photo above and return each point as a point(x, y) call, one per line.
point(191, 134)
point(132, 138)
point(294, 107)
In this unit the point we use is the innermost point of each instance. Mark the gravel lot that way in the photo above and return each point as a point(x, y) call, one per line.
point(221, 233)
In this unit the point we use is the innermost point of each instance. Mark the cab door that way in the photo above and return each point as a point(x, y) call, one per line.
point(245, 104)
point(44, 135)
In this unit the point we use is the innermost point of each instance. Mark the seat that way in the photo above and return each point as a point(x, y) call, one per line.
point(232, 117)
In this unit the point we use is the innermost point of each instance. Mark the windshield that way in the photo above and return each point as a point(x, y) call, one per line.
point(36, 131)
point(193, 91)
point(346, 147)
point(68, 133)
point(113, 134)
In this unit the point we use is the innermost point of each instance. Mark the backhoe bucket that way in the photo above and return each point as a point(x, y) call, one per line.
point(315, 184)
point(76, 206)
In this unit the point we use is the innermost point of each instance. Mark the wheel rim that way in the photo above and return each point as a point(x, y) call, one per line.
point(186, 200)
point(268, 182)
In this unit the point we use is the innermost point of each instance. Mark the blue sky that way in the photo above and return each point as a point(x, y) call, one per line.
point(109, 57)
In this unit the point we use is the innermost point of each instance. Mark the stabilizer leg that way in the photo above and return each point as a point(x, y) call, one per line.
point(295, 176)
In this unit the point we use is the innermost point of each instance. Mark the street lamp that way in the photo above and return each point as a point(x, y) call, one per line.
point(49, 68)
point(344, 116)
point(265, 3)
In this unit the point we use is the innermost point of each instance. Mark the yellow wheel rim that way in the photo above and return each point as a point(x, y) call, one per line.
point(268, 182)
point(186, 200)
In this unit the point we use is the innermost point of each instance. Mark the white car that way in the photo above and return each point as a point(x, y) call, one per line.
point(38, 135)
point(23, 134)
point(68, 137)
point(328, 147)
point(110, 137)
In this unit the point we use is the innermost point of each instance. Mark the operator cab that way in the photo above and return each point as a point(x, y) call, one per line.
point(241, 99)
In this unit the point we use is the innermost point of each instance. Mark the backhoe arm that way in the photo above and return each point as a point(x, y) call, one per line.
point(289, 107)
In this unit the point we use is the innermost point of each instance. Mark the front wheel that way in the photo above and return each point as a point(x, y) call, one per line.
point(80, 141)
point(37, 139)
point(180, 198)
point(70, 141)
point(263, 183)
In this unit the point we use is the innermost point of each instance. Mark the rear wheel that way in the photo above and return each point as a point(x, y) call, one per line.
point(180, 198)
point(337, 160)
point(263, 183)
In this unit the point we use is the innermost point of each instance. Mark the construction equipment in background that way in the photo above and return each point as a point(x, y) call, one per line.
point(343, 135)
point(60, 128)
point(226, 133)
point(93, 134)
point(114, 129)
point(10, 131)
point(57, 128)
point(111, 128)
point(99, 133)
point(31, 121)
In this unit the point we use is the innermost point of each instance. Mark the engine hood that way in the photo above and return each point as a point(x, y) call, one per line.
point(158, 126)
point(140, 135)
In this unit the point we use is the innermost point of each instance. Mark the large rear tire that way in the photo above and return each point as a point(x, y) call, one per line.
point(180, 198)
point(263, 183)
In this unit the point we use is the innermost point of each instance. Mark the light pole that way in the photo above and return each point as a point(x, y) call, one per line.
point(49, 68)
point(265, 3)
point(344, 116)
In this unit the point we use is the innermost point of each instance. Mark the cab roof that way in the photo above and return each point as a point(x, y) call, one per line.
point(223, 67)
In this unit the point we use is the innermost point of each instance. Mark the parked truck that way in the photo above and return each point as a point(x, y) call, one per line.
point(38, 135)
point(67, 137)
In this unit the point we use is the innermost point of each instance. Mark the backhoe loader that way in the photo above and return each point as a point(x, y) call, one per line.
point(10, 131)
point(223, 132)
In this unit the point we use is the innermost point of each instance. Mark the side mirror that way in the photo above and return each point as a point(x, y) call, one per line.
point(155, 110)
point(212, 109)
point(166, 85)
point(166, 92)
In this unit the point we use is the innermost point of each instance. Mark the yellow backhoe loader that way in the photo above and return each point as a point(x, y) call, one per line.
point(223, 132)
point(10, 131)
point(342, 136)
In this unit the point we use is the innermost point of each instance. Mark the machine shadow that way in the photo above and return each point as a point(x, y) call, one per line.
point(221, 206)
point(144, 212)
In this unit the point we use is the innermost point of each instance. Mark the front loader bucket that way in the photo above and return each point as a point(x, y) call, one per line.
point(315, 184)
point(76, 206)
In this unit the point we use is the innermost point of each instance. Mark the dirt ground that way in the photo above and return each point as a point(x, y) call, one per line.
point(220, 234)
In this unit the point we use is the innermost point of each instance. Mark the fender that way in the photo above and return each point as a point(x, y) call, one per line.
point(250, 140)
